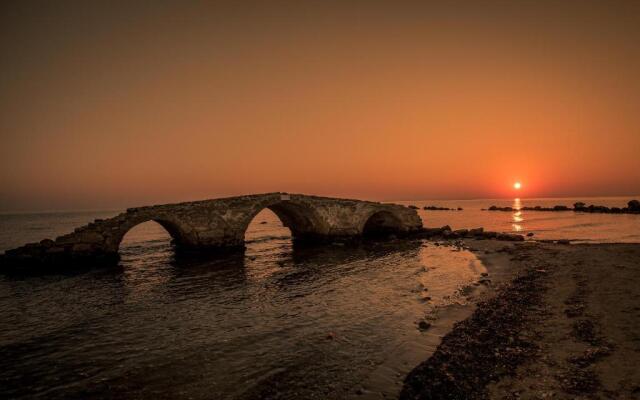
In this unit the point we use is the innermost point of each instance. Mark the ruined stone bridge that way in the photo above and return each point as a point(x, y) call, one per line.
point(220, 224)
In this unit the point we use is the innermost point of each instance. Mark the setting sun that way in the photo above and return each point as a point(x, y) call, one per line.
point(517, 186)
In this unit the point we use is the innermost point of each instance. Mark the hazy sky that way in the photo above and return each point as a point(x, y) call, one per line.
point(119, 105)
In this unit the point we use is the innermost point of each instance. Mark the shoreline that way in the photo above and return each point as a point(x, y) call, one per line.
point(560, 321)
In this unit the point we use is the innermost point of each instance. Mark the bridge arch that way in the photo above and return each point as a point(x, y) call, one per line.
point(303, 220)
point(178, 231)
point(381, 223)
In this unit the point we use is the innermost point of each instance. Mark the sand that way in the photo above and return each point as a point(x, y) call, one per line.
point(562, 321)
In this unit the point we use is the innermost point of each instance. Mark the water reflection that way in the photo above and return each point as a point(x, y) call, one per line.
point(517, 215)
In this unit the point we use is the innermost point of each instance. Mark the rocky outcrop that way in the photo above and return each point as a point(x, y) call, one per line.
point(632, 208)
point(445, 233)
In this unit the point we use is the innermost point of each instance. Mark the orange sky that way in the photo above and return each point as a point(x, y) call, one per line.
point(115, 106)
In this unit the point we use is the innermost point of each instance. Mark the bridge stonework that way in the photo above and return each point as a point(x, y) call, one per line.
point(220, 224)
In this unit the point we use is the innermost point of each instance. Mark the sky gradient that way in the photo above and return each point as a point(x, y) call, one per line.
point(109, 106)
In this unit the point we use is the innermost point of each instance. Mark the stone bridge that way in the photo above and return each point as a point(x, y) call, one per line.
point(220, 224)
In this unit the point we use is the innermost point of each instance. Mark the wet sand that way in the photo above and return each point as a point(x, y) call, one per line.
point(559, 321)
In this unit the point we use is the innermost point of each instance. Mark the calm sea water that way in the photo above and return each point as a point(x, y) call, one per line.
point(275, 322)
point(585, 227)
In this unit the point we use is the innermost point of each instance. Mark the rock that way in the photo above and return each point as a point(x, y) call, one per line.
point(476, 231)
point(445, 228)
point(490, 234)
point(433, 231)
point(47, 243)
point(450, 234)
point(263, 222)
point(564, 241)
point(496, 208)
point(331, 336)
point(510, 237)
point(82, 248)
point(560, 208)
point(55, 250)
point(579, 205)
point(459, 208)
point(461, 232)
point(89, 237)
point(530, 234)
point(424, 325)
point(484, 274)
point(634, 205)
point(412, 207)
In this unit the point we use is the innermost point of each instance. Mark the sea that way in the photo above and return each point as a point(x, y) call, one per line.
point(277, 321)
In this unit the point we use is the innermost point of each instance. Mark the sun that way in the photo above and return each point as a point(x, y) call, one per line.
point(517, 185)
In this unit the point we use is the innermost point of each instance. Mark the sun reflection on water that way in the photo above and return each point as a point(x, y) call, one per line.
point(517, 215)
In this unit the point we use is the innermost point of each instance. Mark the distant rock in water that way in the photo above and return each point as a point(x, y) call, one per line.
point(436, 208)
point(633, 207)
point(413, 207)
point(496, 208)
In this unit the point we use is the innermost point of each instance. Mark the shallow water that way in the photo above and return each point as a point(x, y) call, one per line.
point(277, 321)
point(303, 322)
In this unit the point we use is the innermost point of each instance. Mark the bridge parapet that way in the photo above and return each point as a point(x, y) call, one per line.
point(220, 224)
